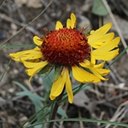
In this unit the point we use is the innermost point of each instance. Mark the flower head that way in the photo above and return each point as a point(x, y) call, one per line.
point(56, 48)
point(73, 52)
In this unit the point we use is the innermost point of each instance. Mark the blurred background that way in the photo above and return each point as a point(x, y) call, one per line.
point(20, 20)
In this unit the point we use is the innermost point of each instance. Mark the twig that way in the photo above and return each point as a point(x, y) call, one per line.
point(20, 30)
point(2, 3)
point(21, 15)
point(101, 117)
point(115, 23)
point(120, 111)
point(120, 79)
point(5, 73)
point(113, 98)
point(8, 19)
point(81, 123)
point(114, 86)
point(115, 76)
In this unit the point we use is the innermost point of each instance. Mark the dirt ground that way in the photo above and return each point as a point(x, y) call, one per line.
point(19, 21)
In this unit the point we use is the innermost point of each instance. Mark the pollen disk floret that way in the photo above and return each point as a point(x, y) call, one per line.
point(65, 47)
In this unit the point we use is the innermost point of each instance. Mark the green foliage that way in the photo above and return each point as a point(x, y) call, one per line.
point(52, 75)
point(62, 113)
point(36, 99)
point(42, 114)
point(48, 80)
point(99, 8)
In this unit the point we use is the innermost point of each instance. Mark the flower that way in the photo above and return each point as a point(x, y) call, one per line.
point(73, 52)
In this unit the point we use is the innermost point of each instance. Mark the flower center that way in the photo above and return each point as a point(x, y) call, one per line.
point(65, 47)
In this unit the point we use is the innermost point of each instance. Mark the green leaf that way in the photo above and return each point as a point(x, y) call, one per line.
point(20, 85)
point(48, 80)
point(98, 8)
point(36, 99)
point(45, 71)
point(57, 72)
point(53, 75)
point(61, 112)
point(42, 115)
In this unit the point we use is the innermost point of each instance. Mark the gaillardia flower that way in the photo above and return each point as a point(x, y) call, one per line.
point(73, 52)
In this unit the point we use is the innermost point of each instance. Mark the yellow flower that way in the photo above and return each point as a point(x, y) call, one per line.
point(73, 52)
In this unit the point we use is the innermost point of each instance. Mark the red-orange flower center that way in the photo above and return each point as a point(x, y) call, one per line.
point(65, 47)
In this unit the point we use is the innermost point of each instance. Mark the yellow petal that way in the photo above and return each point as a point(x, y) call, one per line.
point(106, 37)
point(34, 64)
point(58, 86)
point(68, 24)
point(69, 87)
point(100, 41)
point(27, 55)
point(110, 45)
point(96, 73)
point(102, 30)
point(83, 76)
point(97, 70)
point(73, 20)
point(92, 31)
point(106, 52)
point(99, 65)
point(93, 60)
point(98, 34)
point(58, 25)
point(105, 55)
point(34, 68)
point(38, 41)
point(86, 63)
point(100, 69)
point(103, 71)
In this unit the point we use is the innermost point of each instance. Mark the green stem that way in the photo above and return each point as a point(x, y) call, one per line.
point(55, 108)
point(101, 21)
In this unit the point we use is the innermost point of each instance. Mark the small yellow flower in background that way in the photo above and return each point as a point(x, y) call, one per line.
point(74, 52)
